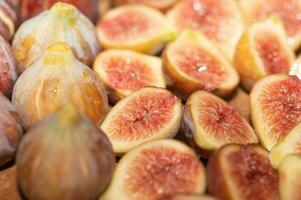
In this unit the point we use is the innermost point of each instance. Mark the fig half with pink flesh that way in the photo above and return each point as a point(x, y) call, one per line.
point(162, 5)
point(211, 123)
point(155, 170)
point(242, 172)
point(124, 71)
point(192, 63)
point(147, 114)
point(275, 107)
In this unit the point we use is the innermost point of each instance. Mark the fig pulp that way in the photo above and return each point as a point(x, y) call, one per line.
point(9, 187)
point(57, 78)
point(62, 23)
point(134, 27)
point(147, 114)
point(262, 50)
point(275, 107)
point(162, 5)
point(242, 172)
point(156, 169)
point(124, 72)
point(192, 63)
point(8, 18)
point(65, 156)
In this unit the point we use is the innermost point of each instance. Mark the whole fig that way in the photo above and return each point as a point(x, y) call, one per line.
point(64, 157)
point(8, 18)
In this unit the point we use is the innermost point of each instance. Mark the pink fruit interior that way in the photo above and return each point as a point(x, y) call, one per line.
point(161, 171)
point(253, 174)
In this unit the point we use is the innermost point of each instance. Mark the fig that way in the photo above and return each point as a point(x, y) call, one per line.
point(62, 23)
point(162, 5)
point(192, 63)
point(134, 27)
point(8, 187)
point(147, 114)
point(220, 21)
point(67, 144)
point(8, 18)
point(123, 72)
point(157, 169)
point(189, 197)
point(57, 78)
point(275, 107)
point(211, 123)
point(262, 50)
point(296, 68)
point(287, 10)
point(10, 130)
point(242, 172)
point(240, 101)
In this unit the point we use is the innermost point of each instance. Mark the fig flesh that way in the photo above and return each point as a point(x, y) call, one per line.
point(242, 172)
point(275, 107)
point(157, 169)
point(147, 114)
point(124, 72)
point(192, 63)
point(8, 19)
point(162, 5)
point(189, 197)
point(134, 27)
point(9, 187)
point(263, 50)
point(65, 156)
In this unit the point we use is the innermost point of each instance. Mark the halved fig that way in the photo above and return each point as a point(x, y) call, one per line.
point(124, 72)
point(212, 123)
point(240, 101)
point(192, 63)
point(287, 10)
point(135, 27)
point(189, 197)
point(296, 68)
point(275, 107)
point(263, 50)
point(162, 5)
point(242, 172)
point(290, 176)
point(155, 170)
point(9, 187)
point(221, 21)
point(147, 114)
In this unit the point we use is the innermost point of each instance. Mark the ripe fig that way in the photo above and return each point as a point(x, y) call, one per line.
point(262, 50)
point(220, 21)
point(57, 78)
point(192, 63)
point(189, 197)
point(162, 5)
point(211, 123)
point(123, 72)
point(240, 101)
point(9, 187)
point(242, 172)
point(134, 27)
point(275, 107)
point(62, 23)
point(8, 18)
point(296, 68)
point(147, 114)
point(157, 169)
point(10, 130)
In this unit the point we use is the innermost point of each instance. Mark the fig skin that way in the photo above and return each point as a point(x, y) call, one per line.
point(55, 79)
point(9, 186)
point(64, 156)
point(62, 23)
point(8, 19)
point(241, 102)
point(162, 5)
point(10, 130)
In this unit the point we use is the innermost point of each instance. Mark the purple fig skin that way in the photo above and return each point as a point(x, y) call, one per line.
point(65, 157)
point(8, 19)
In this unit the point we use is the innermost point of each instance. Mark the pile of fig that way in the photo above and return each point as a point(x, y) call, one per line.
point(150, 100)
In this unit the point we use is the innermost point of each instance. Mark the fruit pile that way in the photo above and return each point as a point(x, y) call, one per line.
point(150, 100)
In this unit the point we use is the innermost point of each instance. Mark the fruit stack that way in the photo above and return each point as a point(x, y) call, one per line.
point(150, 100)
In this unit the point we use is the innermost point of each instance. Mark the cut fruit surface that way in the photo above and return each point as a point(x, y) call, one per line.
point(147, 114)
point(221, 21)
point(124, 72)
point(296, 68)
point(157, 169)
point(162, 5)
point(213, 123)
point(135, 27)
point(192, 63)
point(242, 172)
point(275, 107)
point(262, 50)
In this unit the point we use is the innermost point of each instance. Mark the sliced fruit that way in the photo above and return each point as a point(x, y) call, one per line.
point(189, 197)
point(162, 5)
point(9, 187)
point(287, 10)
point(296, 68)
point(242, 172)
point(157, 169)
point(147, 114)
point(275, 107)
point(290, 176)
point(135, 27)
point(124, 72)
point(212, 123)
point(193, 63)
point(221, 21)
point(240, 101)
point(262, 50)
